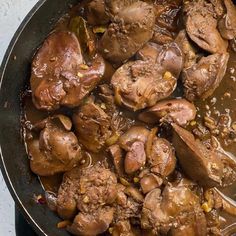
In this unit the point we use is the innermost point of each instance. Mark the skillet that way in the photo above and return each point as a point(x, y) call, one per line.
point(14, 73)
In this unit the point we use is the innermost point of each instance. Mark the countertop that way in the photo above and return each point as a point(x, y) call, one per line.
point(12, 12)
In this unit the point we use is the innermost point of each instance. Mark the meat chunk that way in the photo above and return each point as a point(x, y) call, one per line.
point(92, 126)
point(134, 134)
point(67, 194)
point(149, 51)
point(150, 182)
point(227, 25)
point(97, 187)
point(135, 157)
point(57, 78)
point(132, 26)
point(161, 157)
point(201, 26)
point(128, 204)
point(140, 84)
point(56, 150)
point(166, 26)
point(201, 79)
point(189, 51)
point(96, 13)
point(199, 163)
point(169, 57)
point(92, 224)
point(177, 209)
point(86, 190)
point(178, 111)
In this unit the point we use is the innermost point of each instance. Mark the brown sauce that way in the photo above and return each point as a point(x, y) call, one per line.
point(221, 103)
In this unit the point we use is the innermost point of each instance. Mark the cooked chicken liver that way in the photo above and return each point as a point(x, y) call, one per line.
point(178, 111)
point(132, 25)
point(55, 149)
point(199, 163)
point(57, 78)
point(92, 126)
point(201, 26)
point(130, 119)
point(176, 209)
point(201, 79)
point(227, 25)
point(141, 84)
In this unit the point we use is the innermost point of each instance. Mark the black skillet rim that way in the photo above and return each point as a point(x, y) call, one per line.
point(3, 168)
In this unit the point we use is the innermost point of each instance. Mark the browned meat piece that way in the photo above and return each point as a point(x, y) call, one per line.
point(132, 26)
point(87, 190)
point(201, 80)
point(134, 134)
point(119, 122)
point(96, 13)
point(166, 26)
point(92, 224)
point(56, 149)
point(97, 187)
point(202, 165)
point(188, 50)
point(140, 84)
point(161, 157)
point(177, 209)
point(57, 78)
point(135, 157)
point(150, 182)
point(106, 95)
point(128, 203)
point(201, 26)
point(92, 126)
point(149, 51)
point(117, 159)
point(218, 8)
point(178, 111)
point(227, 25)
point(122, 228)
point(162, 35)
point(169, 57)
point(67, 194)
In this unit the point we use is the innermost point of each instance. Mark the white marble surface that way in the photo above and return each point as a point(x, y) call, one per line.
point(12, 13)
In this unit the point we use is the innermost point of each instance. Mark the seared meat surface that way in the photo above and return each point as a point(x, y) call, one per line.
point(130, 119)
point(201, 26)
point(54, 149)
point(58, 78)
point(177, 111)
point(174, 211)
point(201, 79)
point(201, 164)
point(132, 25)
point(227, 25)
point(92, 126)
